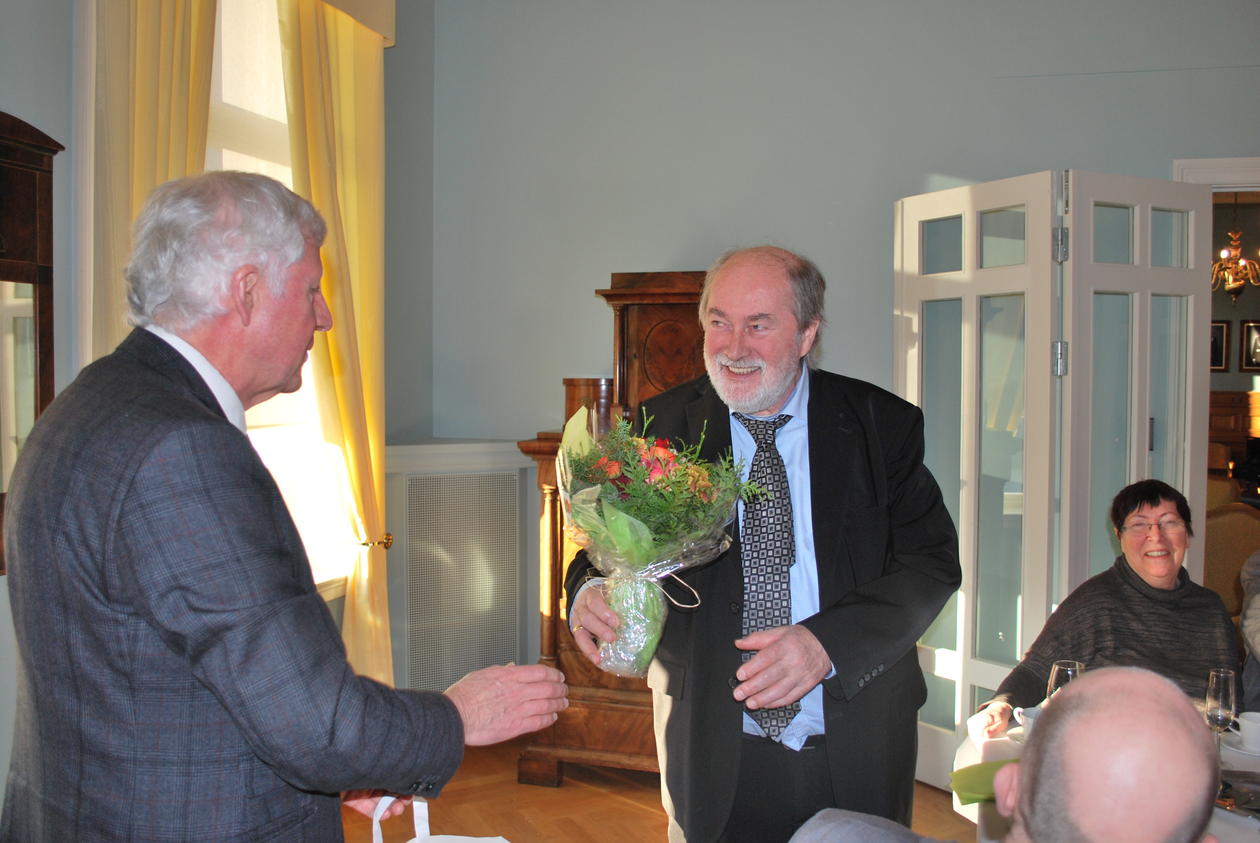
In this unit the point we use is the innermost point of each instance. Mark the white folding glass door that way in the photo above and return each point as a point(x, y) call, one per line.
point(1000, 321)
point(974, 297)
point(1136, 398)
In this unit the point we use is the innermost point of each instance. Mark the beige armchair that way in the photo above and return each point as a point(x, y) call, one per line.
point(1221, 490)
point(1231, 537)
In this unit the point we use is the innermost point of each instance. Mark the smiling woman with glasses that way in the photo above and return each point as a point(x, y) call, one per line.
point(1142, 612)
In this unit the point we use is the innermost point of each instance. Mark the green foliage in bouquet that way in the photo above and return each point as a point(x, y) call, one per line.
point(642, 510)
point(650, 495)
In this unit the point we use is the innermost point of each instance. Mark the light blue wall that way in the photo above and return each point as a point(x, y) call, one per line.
point(576, 138)
point(36, 67)
point(409, 316)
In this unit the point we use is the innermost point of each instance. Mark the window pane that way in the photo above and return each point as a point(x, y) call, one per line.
point(248, 131)
point(981, 695)
point(1169, 350)
point(248, 58)
point(1000, 499)
point(1113, 233)
point(939, 708)
point(1002, 237)
point(942, 245)
point(24, 375)
point(942, 413)
point(312, 476)
point(1170, 238)
point(1109, 434)
point(17, 372)
point(232, 160)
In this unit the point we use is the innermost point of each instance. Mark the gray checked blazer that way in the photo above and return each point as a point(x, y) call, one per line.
point(179, 676)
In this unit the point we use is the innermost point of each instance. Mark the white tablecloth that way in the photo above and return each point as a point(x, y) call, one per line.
point(990, 825)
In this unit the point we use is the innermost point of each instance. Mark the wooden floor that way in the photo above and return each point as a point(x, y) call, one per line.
point(594, 804)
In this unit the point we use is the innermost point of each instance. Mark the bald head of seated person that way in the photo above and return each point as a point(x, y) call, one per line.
point(1120, 754)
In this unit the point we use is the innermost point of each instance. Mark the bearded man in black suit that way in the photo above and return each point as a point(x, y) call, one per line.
point(872, 556)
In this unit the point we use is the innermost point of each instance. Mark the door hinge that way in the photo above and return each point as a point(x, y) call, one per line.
point(1060, 244)
point(1059, 358)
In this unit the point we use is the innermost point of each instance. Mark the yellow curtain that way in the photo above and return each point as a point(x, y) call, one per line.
point(154, 60)
point(334, 85)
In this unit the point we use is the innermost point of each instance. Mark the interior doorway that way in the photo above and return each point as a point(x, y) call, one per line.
point(1235, 373)
point(1054, 329)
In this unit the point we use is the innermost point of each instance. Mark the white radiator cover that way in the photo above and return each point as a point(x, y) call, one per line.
point(462, 571)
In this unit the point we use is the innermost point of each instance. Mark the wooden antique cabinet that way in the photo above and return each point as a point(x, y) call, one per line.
point(26, 274)
point(1233, 418)
point(657, 344)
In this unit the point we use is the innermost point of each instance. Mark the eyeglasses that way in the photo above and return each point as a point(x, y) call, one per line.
point(1167, 526)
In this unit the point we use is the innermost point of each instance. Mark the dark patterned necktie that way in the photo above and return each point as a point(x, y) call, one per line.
point(767, 550)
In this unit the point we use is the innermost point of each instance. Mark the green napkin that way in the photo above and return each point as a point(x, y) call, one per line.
point(975, 783)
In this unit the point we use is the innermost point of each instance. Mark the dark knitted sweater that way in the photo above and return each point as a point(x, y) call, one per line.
point(1116, 618)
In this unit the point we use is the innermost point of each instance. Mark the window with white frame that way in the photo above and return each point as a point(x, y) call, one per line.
point(248, 130)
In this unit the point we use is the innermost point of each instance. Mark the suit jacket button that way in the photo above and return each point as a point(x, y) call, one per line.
point(736, 607)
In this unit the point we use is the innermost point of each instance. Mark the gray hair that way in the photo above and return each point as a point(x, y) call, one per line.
point(193, 233)
point(808, 287)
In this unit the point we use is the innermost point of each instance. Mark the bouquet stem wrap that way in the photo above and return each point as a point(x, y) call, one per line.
point(638, 599)
point(642, 512)
point(641, 607)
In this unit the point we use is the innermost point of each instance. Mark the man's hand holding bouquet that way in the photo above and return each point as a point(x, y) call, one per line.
point(643, 511)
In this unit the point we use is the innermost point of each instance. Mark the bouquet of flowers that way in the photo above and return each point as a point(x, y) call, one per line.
point(642, 510)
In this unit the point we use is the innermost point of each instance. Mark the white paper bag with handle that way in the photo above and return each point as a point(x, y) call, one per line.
point(420, 819)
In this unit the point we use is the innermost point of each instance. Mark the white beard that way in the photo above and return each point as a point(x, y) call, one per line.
point(769, 393)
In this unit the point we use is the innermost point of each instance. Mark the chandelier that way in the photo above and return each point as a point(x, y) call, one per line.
point(1233, 272)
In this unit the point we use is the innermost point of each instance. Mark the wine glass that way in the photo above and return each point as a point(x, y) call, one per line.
point(1219, 703)
point(1062, 672)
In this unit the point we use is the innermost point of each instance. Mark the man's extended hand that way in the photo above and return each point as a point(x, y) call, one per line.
point(592, 621)
point(789, 662)
point(502, 702)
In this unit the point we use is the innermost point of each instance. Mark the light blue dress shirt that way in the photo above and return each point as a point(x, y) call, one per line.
point(793, 443)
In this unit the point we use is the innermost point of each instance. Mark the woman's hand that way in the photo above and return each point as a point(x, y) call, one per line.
point(990, 721)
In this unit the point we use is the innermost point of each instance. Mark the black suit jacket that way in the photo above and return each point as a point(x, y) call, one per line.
point(179, 676)
point(887, 556)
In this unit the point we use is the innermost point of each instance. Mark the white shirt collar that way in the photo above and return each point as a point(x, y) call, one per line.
point(228, 400)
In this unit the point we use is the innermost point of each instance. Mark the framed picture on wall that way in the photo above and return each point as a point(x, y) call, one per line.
point(1219, 356)
point(1249, 345)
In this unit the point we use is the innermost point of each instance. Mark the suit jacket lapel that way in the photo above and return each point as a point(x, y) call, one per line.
point(837, 463)
point(708, 407)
